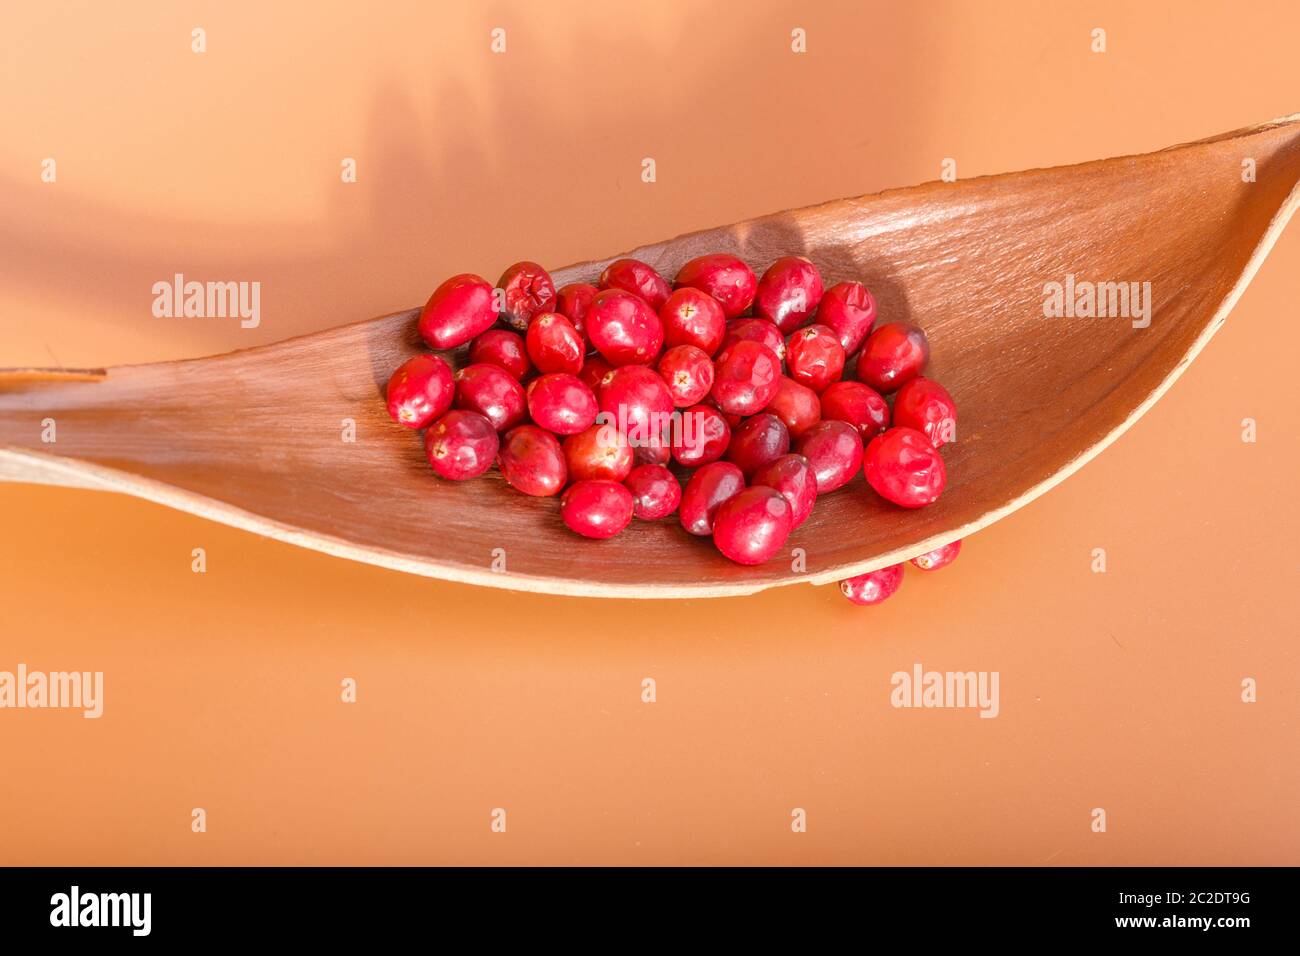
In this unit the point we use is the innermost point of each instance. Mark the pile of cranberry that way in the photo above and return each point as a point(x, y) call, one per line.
point(595, 390)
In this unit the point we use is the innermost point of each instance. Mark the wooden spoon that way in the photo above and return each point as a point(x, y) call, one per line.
point(254, 438)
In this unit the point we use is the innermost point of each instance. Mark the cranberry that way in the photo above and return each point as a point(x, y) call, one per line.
point(688, 372)
point(709, 487)
point(755, 330)
point(599, 452)
point(815, 357)
point(596, 509)
point(859, 405)
point(701, 436)
point(623, 328)
point(594, 370)
point(894, 353)
point(492, 392)
point(939, 557)
point(692, 317)
point(788, 293)
point(745, 377)
point(504, 349)
point(461, 445)
point(724, 277)
point(925, 405)
point(732, 420)
point(796, 405)
point(904, 468)
point(752, 526)
point(758, 441)
point(655, 492)
point(874, 586)
point(532, 461)
point(792, 475)
point(420, 390)
point(572, 302)
point(554, 344)
point(560, 403)
point(458, 310)
point(850, 311)
point(834, 450)
point(658, 450)
point(636, 400)
point(633, 275)
point(529, 291)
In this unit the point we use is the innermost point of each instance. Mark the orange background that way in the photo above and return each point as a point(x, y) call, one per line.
point(1119, 690)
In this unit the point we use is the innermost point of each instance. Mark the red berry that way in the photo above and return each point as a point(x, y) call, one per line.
point(815, 357)
point(745, 378)
point(572, 302)
point(419, 391)
point(789, 292)
point(708, 488)
point(461, 445)
point(504, 349)
point(596, 509)
point(532, 461)
point(635, 399)
point(657, 451)
point(874, 586)
point(492, 392)
point(701, 436)
point(560, 403)
point(692, 317)
point(623, 328)
point(925, 405)
point(655, 492)
point(859, 405)
point(529, 291)
point(849, 310)
point(594, 370)
point(894, 353)
point(724, 277)
point(904, 468)
point(758, 441)
point(599, 452)
point(554, 344)
point(753, 525)
point(458, 310)
point(688, 372)
point(835, 452)
point(939, 557)
point(751, 329)
point(796, 405)
point(633, 275)
point(792, 475)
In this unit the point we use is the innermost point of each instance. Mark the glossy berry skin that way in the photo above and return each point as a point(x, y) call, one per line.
point(835, 452)
point(692, 317)
point(788, 293)
point(745, 378)
point(815, 357)
point(594, 370)
point(491, 392)
point(461, 445)
point(893, 354)
point(792, 475)
point(623, 328)
point(700, 437)
point(874, 586)
point(600, 452)
point(560, 403)
point(756, 442)
point(753, 525)
point(849, 310)
point(858, 404)
point(532, 461)
point(925, 405)
point(596, 509)
point(688, 373)
point(458, 310)
point(635, 399)
point(903, 467)
point(939, 557)
point(554, 345)
point(750, 329)
point(419, 391)
point(504, 349)
point(708, 488)
point(658, 451)
point(635, 276)
point(796, 405)
point(572, 302)
point(529, 291)
point(723, 276)
point(655, 492)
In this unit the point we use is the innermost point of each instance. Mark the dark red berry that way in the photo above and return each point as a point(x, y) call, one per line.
point(753, 525)
point(904, 468)
point(596, 509)
point(420, 390)
point(528, 291)
point(572, 302)
point(939, 557)
point(554, 344)
point(796, 405)
point(655, 492)
point(894, 353)
point(792, 475)
point(724, 277)
point(623, 328)
point(859, 405)
point(758, 441)
point(745, 378)
point(925, 405)
point(560, 403)
point(493, 392)
point(788, 292)
point(504, 349)
point(657, 451)
point(692, 317)
point(688, 373)
point(635, 399)
point(598, 452)
point(815, 357)
point(750, 329)
point(874, 586)
point(594, 370)
point(532, 461)
point(700, 436)
point(633, 275)
point(834, 450)
point(849, 310)
point(458, 310)
point(708, 488)
point(461, 445)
